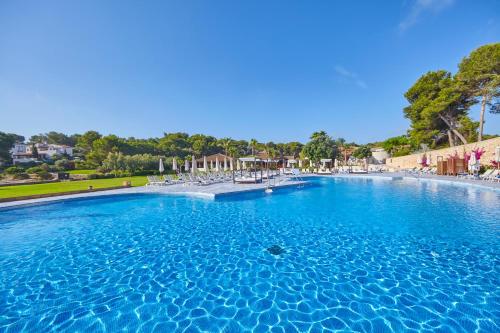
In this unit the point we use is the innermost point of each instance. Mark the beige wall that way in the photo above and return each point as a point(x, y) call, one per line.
point(410, 161)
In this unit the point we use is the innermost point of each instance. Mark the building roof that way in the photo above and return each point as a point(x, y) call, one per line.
point(212, 158)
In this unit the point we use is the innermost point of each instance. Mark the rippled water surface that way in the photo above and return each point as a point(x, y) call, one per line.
point(352, 255)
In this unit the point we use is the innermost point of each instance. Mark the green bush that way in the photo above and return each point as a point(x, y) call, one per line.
point(35, 169)
point(85, 165)
point(65, 164)
point(13, 170)
point(43, 175)
point(28, 164)
point(402, 152)
point(133, 163)
point(19, 176)
point(100, 175)
point(147, 172)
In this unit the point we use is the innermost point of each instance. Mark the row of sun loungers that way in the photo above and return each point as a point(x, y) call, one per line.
point(189, 179)
point(422, 171)
point(491, 175)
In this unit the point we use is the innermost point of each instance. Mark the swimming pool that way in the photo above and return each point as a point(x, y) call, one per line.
point(357, 254)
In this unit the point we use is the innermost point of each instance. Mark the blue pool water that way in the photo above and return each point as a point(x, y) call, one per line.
point(359, 255)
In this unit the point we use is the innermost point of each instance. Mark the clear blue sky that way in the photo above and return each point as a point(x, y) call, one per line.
point(271, 70)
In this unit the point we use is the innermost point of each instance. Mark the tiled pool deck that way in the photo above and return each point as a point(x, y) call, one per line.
point(217, 190)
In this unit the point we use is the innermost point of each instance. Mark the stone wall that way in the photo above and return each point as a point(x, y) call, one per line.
point(410, 161)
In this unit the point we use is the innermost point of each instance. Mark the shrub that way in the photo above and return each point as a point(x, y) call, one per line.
point(85, 165)
point(35, 169)
point(65, 164)
point(43, 175)
point(132, 163)
point(28, 164)
point(402, 152)
point(13, 170)
point(19, 176)
point(100, 175)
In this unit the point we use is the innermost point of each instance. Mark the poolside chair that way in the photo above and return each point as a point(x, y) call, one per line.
point(494, 176)
point(153, 180)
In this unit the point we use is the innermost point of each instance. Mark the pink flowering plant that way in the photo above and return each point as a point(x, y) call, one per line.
point(478, 152)
point(467, 157)
point(424, 161)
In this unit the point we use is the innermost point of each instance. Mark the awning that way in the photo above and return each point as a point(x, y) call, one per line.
point(249, 159)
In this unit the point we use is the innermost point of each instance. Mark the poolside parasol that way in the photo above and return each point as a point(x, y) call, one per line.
point(238, 165)
point(161, 168)
point(300, 164)
point(225, 163)
point(497, 156)
point(194, 166)
point(231, 167)
point(217, 163)
point(205, 164)
point(174, 164)
point(186, 165)
point(472, 163)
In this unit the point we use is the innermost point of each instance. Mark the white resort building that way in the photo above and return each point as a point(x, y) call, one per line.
point(23, 153)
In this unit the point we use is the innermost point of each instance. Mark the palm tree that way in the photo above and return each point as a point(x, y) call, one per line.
point(226, 145)
point(254, 144)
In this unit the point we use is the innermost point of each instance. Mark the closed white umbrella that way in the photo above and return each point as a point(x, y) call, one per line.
point(161, 168)
point(225, 163)
point(231, 167)
point(205, 164)
point(300, 164)
point(174, 164)
point(238, 165)
point(217, 163)
point(244, 165)
point(194, 166)
point(472, 162)
point(186, 165)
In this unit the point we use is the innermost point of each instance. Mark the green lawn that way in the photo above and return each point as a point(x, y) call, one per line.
point(59, 187)
point(81, 172)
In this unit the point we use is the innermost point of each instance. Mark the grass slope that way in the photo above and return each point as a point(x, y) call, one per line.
point(60, 187)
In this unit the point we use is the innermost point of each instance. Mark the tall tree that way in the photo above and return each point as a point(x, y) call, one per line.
point(320, 146)
point(7, 141)
point(38, 138)
point(362, 152)
point(203, 144)
point(294, 148)
point(59, 139)
point(254, 144)
point(438, 104)
point(226, 144)
point(86, 141)
point(175, 144)
point(480, 72)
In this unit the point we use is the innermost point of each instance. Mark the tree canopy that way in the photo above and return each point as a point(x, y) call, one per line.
point(438, 109)
point(480, 74)
point(7, 140)
point(320, 146)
